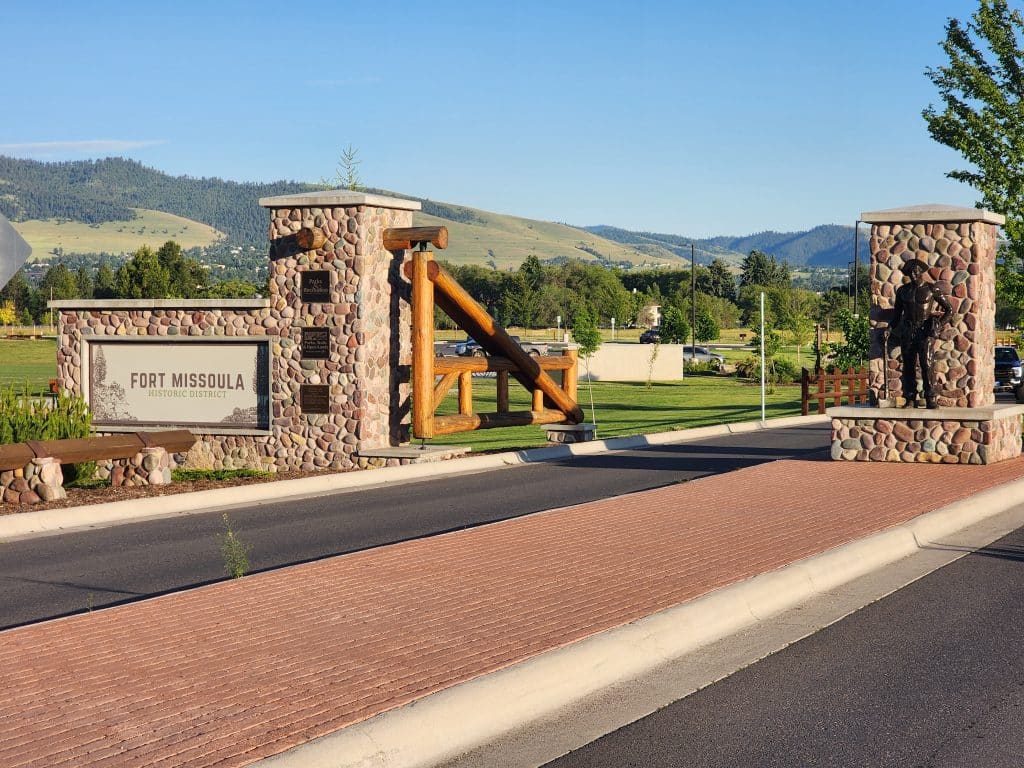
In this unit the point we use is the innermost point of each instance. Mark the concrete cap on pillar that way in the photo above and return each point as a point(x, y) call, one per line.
point(337, 198)
point(930, 212)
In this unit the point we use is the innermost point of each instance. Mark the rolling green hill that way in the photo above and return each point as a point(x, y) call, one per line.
point(479, 237)
point(115, 205)
point(152, 228)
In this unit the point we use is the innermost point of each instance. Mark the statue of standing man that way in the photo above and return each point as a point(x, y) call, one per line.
point(919, 313)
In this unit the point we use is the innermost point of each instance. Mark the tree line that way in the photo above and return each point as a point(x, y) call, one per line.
point(684, 304)
point(162, 274)
point(545, 295)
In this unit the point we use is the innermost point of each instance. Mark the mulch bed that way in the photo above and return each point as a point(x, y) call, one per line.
point(82, 496)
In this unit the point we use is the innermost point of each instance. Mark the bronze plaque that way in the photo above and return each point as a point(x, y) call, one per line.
point(315, 398)
point(315, 285)
point(316, 343)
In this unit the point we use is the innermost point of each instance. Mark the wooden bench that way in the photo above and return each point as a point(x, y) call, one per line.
point(30, 471)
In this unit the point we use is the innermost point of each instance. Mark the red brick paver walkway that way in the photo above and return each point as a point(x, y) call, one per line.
point(227, 674)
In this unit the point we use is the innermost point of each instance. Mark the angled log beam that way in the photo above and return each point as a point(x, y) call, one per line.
point(442, 387)
point(496, 340)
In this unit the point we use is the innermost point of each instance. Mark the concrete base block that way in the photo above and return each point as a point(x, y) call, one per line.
point(570, 433)
point(415, 454)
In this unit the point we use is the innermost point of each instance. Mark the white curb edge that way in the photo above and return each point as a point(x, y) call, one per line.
point(446, 724)
point(23, 524)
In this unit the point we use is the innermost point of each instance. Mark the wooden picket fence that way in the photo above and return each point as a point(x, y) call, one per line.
point(851, 385)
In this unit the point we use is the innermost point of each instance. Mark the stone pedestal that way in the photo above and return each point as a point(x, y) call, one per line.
point(922, 435)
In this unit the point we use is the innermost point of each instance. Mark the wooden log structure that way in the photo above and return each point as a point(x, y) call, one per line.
point(309, 239)
point(461, 307)
point(448, 425)
point(422, 343)
point(407, 238)
point(449, 364)
point(78, 450)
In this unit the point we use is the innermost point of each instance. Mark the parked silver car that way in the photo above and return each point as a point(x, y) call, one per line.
point(702, 355)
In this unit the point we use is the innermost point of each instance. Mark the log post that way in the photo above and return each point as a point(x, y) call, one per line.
point(502, 391)
point(465, 392)
point(422, 346)
point(570, 376)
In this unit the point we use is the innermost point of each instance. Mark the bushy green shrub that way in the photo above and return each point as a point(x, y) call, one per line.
point(781, 370)
point(25, 417)
point(700, 367)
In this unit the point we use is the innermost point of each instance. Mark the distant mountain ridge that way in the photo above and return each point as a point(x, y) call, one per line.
point(827, 245)
point(98, 192)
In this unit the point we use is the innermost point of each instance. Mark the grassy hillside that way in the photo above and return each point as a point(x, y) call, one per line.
point(152, 228)
point(480, 237)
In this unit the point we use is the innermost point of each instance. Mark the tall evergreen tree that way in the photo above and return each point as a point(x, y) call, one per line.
point(142, 277)
point(760, 268)
point(104, 287)
point(84, 284)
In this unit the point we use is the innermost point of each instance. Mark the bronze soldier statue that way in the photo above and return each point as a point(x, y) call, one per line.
point(919, 312)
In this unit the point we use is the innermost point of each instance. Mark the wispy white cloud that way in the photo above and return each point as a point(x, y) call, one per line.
point(88, 146)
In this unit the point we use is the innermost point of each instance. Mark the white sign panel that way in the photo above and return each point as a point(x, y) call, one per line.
point(185, 384)
point(14, 251)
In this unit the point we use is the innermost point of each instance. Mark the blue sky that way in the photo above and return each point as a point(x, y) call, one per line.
point(691, 118)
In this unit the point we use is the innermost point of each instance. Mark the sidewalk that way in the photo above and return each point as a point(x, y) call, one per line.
point(229, 674)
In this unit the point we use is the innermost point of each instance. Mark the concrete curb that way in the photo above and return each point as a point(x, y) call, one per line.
point(444, 725)
point(111, 513)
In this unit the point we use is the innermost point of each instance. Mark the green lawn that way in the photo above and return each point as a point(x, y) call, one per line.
point(629, 408)
point(28, 360)
point(621, 408)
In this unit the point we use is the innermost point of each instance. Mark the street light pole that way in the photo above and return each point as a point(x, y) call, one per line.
point(856, 266)
point(849, 283)
point(693, 305)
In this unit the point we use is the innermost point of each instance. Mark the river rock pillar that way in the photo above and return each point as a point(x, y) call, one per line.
point(345, 343)
point(959, 247)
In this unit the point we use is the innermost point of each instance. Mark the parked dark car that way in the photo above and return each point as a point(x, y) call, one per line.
point(471, 348)
point(653, 336)
point(1008, 371)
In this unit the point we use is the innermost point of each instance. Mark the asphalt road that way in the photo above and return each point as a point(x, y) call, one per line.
point(51, 576)
point(930, 676)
